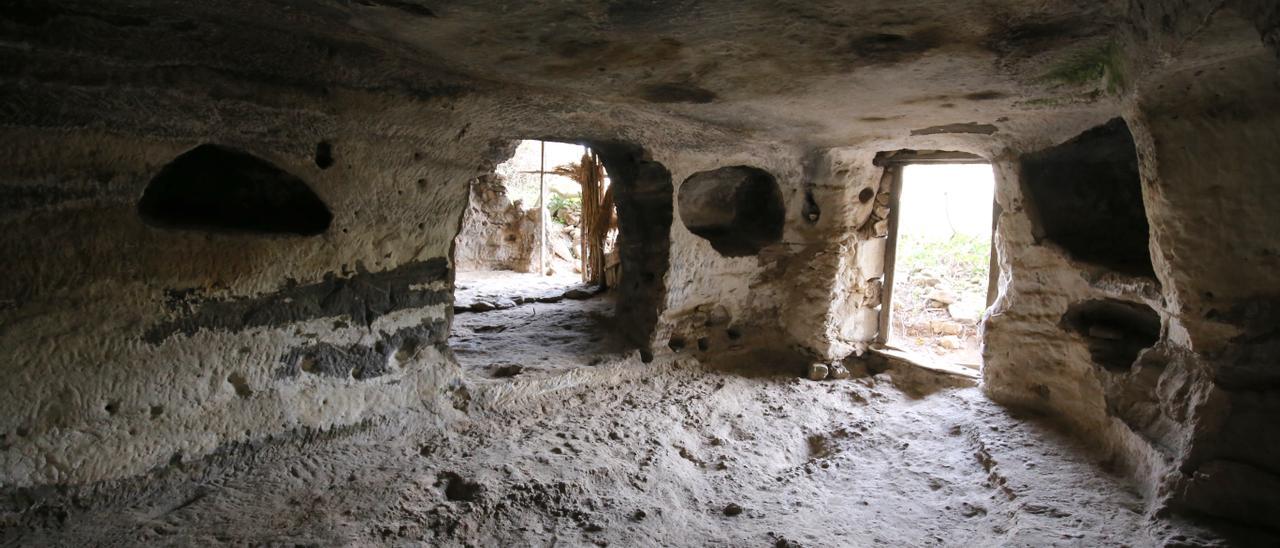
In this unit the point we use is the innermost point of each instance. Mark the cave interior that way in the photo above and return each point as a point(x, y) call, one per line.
point(232, 309)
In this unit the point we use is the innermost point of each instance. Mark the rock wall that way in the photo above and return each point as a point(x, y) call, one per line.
point(1216, 244)
point(133, 345)
point(1032, 358)
point(841, 267)
point(1172, 374)
point(496, 234)
point(717, 304)
point(643, 198)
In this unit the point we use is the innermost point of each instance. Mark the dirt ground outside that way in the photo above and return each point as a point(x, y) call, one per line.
point(943, 262)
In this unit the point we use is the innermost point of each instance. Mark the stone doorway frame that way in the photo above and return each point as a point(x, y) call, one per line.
point(893, 163)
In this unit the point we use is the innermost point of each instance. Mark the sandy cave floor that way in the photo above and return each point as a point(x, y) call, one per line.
point(548, 332)
point(505, 288)
point(668, 454)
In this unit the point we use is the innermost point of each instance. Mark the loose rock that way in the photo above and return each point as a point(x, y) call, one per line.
point(837, 371)
point(818, 371)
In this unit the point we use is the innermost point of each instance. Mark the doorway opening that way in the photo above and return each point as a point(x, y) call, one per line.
point(542, 256)
point(536, 228)
point(940, 260)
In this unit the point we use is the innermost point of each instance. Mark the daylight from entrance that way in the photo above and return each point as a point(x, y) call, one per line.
point(941, 273)
point(533, 258)
point(522, 233)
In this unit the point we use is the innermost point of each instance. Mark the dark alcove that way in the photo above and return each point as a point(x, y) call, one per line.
point(213, 187)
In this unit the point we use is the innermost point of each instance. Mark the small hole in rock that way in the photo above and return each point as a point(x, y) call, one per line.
point(506, 371)
point(866, 195)
point(324, 155)
point(240, 385)
point(406, 351)
point(676, 344)
point(738, 209)
point(456, 488)
point(811, 210)
point(1115, 331)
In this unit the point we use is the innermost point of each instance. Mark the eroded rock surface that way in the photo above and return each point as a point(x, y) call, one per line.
point(230, 223)
point(729, 459)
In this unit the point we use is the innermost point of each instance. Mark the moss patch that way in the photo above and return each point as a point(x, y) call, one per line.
point(1099, 65)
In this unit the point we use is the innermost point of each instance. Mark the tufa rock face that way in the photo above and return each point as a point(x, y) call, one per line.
point(496, 234)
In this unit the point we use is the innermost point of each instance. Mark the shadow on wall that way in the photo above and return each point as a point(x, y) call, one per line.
point(217, 188)
point(1085, 195)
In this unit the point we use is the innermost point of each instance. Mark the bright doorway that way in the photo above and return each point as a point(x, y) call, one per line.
point(942, 261)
